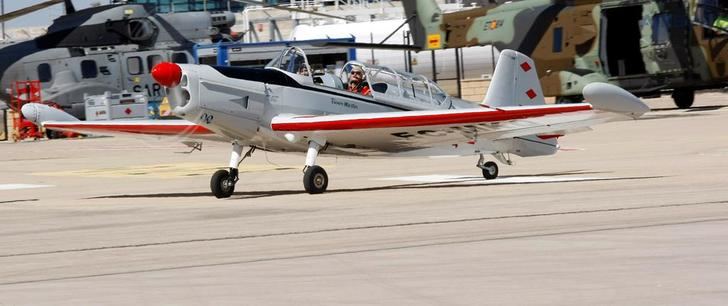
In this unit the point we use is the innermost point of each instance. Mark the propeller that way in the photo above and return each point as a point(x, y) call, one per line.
point(169, 75)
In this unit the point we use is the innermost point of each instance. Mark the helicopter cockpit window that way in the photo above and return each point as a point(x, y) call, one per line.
point(44, 73)
point(134, 65)
point(89, 69)
point(152, 61)
point(292, 60)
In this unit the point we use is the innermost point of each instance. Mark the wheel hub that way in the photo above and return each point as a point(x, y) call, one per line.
point(318, 180)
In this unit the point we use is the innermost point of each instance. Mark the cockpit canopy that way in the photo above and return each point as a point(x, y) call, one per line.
point(390, 83)
point(292, 60)
point(385, 83)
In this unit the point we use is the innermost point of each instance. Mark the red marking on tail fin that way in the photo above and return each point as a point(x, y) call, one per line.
point(531, 94)
point(525, 66)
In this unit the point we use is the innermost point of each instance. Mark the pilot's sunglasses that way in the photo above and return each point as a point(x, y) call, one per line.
point(357, 72)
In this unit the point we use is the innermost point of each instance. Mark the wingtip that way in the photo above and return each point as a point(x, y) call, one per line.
point(614, 99)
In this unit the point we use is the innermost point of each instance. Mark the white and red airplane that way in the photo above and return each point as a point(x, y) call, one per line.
point(285, 108)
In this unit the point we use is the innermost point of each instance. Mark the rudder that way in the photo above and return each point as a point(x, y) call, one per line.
point(515, 82)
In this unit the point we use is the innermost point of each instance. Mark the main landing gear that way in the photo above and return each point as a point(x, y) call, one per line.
point(223, 182)
point(315, 179)
point(490, 169)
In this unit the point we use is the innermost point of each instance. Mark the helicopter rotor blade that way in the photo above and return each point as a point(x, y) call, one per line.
point(374, 46)
point(24, 11)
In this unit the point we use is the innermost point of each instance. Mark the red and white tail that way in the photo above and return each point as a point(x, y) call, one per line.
point(515, 82)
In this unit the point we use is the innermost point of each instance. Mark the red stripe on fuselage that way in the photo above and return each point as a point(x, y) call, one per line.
point(133, 128)
point(425, 120)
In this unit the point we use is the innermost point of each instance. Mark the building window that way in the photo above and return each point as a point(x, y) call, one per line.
point(152, 61)
point(89, 69)
point(134, 65)
point(44, 73)
point(558, 39)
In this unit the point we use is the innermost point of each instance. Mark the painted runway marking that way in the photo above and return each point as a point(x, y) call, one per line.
point(438, 178)
point(21, 186)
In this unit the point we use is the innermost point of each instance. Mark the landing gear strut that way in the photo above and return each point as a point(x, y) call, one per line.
point(315, 179)
point(222, 183)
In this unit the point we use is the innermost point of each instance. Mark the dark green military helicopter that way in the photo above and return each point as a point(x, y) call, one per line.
point(649, 47)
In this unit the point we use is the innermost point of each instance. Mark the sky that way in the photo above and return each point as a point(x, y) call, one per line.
point(41, 18)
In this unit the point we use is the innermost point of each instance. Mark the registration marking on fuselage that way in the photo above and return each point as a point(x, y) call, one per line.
point(21, 186)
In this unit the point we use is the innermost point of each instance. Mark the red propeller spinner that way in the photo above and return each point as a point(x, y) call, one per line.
point(167, 74)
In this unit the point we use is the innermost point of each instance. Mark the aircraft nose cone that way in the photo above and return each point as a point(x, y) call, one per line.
point(167, 74)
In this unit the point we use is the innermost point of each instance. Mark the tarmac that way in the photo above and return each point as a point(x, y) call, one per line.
point(632, 213)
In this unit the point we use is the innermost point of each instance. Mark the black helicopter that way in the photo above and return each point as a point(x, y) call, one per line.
point(105, 48)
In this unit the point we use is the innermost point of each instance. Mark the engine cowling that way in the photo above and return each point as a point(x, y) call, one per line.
point(201, 94)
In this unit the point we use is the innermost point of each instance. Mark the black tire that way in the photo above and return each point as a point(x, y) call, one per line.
point(683, 98)
point(490, 170)
point(52, 134)
point(221, 185)
point(315, 180)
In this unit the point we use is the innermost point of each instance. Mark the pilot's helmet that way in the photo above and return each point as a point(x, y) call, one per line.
point(357, 68)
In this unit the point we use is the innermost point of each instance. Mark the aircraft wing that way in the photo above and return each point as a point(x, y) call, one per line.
point(54, 119)
point(172, 127)
point(404, 131)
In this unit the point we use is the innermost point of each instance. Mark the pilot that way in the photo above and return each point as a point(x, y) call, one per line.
point(303, 70)
point(357, 83)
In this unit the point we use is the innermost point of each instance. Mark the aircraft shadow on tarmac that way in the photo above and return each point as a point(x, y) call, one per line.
point(460, 182)
point(692, 109)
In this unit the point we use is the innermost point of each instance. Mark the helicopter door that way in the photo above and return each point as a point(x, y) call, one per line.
point(620, 41)
point(137, 67)
point(665, 35)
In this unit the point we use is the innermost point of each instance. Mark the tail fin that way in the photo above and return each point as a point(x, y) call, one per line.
point(515, 82)
point(425, 18)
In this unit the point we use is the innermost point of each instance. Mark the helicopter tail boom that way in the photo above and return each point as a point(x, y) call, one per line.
point(424, 22)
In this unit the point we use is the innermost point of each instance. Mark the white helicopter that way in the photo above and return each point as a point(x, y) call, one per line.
point(286, 107)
